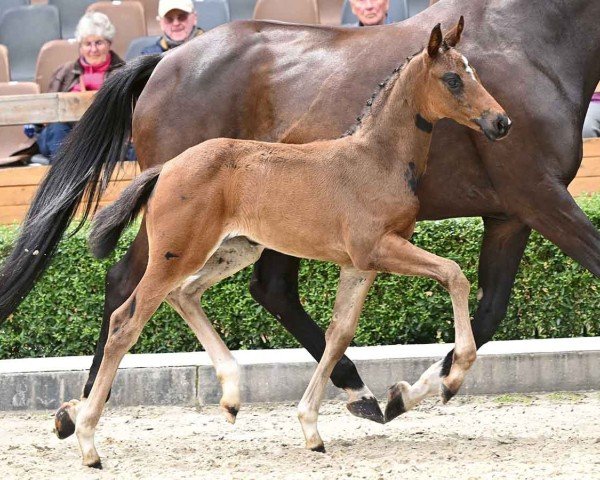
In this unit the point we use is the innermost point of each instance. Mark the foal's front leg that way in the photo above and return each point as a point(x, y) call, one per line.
point(352, 291)
point(396, 254)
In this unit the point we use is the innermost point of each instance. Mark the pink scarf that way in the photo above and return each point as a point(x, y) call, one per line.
point(92, 77)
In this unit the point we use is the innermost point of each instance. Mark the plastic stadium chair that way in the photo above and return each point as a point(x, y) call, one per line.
point(138, 44)
point(396, 13)
point(151, 14)
point(70, 11)
point(330, 11)
point(6, 4)
point(4, 71)
point(12, 138)
point(16, 32)
point(211, 13)
point(241, 9)
point(415, 6)
point(52, 55)
point(298, 11)
point(128, 19)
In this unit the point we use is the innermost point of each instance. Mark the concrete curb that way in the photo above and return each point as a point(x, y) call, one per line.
point(569, 364)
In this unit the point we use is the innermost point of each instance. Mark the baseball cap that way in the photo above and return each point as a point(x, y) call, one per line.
point(165, 6)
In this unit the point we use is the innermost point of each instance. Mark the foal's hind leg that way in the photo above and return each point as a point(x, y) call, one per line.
point(230, 258)
point(120, 282)
point(397, 255)
point(126, 323)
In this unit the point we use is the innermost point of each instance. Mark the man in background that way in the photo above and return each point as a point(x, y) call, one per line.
point(370, 12)
point(177, 20)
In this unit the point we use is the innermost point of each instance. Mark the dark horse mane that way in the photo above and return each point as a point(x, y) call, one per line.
point(379, 95)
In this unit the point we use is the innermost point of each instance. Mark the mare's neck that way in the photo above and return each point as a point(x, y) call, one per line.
point(397, 130)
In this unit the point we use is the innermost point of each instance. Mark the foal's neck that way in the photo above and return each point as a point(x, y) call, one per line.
point(396, 127)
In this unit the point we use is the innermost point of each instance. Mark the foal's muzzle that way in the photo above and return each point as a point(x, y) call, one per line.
point(493, 126)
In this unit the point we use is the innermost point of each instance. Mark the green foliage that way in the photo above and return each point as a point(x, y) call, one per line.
point(553, 297)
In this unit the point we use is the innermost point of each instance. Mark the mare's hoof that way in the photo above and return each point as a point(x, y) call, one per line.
point(230, 413)
point(97, 465)
point(319, 448)
point(395, 406)
point(366, 407)
point(447, 394)
point(63, 424)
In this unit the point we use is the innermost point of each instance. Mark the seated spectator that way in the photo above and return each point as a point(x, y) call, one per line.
point(96, 61)
point(591, 124)
point(370, 12)
point(178, 23)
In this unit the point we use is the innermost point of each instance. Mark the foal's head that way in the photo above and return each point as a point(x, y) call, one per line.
point(451, 88)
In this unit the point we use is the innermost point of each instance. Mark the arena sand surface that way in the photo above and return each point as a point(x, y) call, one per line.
point(552, 436)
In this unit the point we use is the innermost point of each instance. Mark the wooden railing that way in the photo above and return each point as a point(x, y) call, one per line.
point(18, 184)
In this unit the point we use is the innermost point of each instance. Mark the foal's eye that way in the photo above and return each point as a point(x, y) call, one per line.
point(452, 80)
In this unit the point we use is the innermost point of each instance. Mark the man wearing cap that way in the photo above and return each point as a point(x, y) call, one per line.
point(178, 24)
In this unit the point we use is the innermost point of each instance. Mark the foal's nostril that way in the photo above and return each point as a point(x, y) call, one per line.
point(502, 125)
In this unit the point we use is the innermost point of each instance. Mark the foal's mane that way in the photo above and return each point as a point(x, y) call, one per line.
point(379, 95)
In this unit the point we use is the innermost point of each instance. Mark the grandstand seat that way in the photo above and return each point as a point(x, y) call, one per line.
point(415, 6)
point(241, 9)
point(330, 11)
point(127, 17)
point(6, 4)
point(151, 14)
point(52, 55)
point(138, 44)
point(211, 13)
point(396, 13)
point(299, 11)
point(12, 138)
point(4, 71)
point(16, 28)
point(70, 11)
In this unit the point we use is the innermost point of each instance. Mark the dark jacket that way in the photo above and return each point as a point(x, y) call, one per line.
point(67, 75)
point(63, 80)
point(161, 46)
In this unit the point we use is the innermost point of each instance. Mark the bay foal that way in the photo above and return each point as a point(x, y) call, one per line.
point(350, 201)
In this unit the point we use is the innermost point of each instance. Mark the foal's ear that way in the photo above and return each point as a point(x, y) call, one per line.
point(435, 41)
point(453, 36)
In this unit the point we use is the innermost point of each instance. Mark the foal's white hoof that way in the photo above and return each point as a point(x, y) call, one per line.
point(229, 412)
point(64, 419)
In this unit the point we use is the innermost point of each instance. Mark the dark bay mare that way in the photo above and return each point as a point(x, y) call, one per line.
point(256, 80)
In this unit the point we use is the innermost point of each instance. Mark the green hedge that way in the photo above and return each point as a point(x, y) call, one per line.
point(553, 297)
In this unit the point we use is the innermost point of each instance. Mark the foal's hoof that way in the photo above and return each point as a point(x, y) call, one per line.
point(395, 406)
point(229, 412)
point(64, 425)
point(446, 394)
point(366, 407)
point(97, 465)
point(319, 448)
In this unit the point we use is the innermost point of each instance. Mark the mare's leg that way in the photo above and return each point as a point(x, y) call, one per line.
point(274, 285)
point(120, 282)
point(352, 291)
point(397, 255)
point(230, 258)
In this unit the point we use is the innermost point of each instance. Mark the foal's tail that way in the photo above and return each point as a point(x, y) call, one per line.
point(80, 174)
point(109, 223)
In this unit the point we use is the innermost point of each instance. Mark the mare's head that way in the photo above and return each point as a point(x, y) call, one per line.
point(451, 87)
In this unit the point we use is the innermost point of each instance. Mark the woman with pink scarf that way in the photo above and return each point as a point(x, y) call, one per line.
point(96, 61)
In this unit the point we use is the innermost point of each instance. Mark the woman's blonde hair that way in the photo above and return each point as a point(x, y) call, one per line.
point(94, 23)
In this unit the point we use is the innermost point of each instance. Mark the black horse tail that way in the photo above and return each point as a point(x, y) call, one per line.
point(80, 173)
point(109, 223)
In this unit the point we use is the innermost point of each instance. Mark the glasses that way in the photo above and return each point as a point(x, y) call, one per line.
point(181, 17)
point(99, 44)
